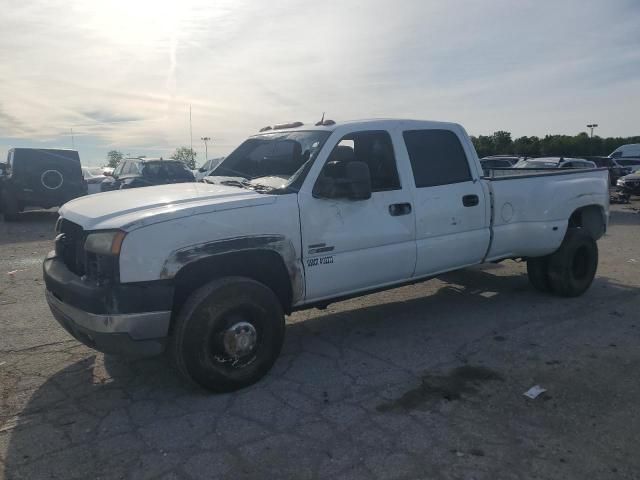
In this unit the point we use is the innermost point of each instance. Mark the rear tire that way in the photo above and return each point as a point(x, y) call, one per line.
point(538, 272)
point(573, 266)
point(228, 334)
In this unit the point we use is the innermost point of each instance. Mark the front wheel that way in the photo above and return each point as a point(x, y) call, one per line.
point(573, 266)
point(228, 334)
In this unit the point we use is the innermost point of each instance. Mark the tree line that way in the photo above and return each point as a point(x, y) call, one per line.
point(501, 143)
point(183, 154)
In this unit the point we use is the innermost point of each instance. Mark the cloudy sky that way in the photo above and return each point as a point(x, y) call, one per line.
point(122, 73)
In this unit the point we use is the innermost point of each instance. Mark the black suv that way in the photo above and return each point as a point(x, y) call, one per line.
point(615, 169)
point(39, 177)
point(139, 172)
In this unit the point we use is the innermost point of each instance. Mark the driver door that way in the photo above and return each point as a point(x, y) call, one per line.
point(356, 245)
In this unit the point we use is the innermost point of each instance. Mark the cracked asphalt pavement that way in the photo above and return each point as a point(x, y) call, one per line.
point(421, 382)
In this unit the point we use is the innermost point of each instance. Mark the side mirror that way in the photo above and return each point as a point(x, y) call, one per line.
point(359, 180)
point(350, 180)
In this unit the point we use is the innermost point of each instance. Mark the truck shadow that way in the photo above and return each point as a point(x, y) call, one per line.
point(31, 226)
point(627, 215)
point(102, 416)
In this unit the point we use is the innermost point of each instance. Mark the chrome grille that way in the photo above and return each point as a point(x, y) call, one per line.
point(70, 246)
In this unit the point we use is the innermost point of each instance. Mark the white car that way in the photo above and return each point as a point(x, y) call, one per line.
point(555, 162)
point(300, 217)
point(94, 177)
point(629, 150)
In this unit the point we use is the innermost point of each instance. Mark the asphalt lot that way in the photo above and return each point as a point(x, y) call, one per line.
point(424, 382)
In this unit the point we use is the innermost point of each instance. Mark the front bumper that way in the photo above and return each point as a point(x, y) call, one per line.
point(122, 319)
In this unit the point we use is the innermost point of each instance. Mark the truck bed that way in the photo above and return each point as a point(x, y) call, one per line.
point(530, 210)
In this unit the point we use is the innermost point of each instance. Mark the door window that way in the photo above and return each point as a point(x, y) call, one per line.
point(437, 157)
point(373, 148)
point(118, 171)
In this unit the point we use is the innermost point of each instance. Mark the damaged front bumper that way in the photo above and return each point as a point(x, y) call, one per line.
point(122, 319)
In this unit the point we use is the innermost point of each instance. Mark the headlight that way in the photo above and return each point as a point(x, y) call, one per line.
point(620, 182)
point(105, 243)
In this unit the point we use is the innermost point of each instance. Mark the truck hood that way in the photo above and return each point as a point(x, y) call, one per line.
point(137, 207)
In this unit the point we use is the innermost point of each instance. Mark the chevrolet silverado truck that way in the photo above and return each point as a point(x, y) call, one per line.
point(299, 217)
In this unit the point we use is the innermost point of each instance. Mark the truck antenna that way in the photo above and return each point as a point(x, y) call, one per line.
point(321, 120)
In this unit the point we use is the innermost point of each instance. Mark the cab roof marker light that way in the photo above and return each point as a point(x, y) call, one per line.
point(281, 126)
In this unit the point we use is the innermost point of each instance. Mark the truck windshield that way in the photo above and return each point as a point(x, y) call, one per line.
point(282, 155)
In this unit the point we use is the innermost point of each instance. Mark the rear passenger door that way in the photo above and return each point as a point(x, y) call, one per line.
point(451, 215)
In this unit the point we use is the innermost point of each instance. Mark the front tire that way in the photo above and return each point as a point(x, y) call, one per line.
point(573, 266)
point(228, 334)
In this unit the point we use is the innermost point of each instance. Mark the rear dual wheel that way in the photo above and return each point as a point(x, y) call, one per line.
point(228, 334)
point(570, 270)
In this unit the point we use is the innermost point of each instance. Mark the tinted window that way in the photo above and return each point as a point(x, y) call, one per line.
point(376, 150)
point(166, 170)
point(437, 157)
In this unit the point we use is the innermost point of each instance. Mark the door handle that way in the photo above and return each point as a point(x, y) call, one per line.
point(397, 209)
point(470, 200)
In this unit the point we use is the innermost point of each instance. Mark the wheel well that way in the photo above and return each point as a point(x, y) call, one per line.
point(591, 218)
point(264, 266)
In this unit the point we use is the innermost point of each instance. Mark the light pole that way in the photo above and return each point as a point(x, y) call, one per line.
point(206, 152)
point(592, 126)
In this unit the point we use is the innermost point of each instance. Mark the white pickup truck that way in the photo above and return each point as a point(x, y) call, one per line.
point(298, 217)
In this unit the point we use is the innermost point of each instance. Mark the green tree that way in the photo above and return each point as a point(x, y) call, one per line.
point(484, 145)
point(114, 157)
point(502, 142)
point(527, 146)
point(186, 156)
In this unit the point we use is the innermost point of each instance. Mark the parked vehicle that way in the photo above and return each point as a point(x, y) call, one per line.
point(512, 159)
point(40, 177)
point(629, 184)
point(207, 167)
point(94, 176)
point(554, 162)
point(3, 168)
point(300, 218)
point(631, 163)
point(615, 169)
point(137, 172)
point(489, 163)
point(629, 150)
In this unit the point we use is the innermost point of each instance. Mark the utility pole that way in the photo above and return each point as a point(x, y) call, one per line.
point(73, 142)
point(206, 151)
point(591, 126)
point(191, 133)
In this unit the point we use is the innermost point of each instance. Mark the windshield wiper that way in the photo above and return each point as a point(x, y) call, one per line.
point(247, 184)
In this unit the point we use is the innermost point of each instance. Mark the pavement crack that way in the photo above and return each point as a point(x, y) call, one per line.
point(35, 347)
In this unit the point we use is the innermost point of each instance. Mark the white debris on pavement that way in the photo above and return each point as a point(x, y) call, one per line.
point(534, 392)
